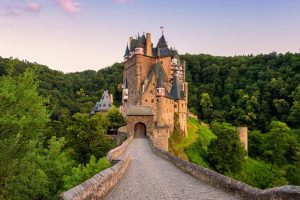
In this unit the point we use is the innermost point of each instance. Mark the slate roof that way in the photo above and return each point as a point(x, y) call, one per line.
point(137, 110)
point(126, 51)
point(162, 42)
point(176, 89)
point(160, 73)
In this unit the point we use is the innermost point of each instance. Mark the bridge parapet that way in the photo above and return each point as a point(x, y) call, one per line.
point(100, 184)
point(228, 184)
point(115, 153)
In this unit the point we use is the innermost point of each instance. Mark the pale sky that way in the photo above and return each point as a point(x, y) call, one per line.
point(76, 35)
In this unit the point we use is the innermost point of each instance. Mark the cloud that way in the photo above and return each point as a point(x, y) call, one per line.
point(16, 8)
point(70, 6)
point(34, 7)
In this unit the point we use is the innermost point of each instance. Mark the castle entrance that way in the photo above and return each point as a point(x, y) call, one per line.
point(140, 130)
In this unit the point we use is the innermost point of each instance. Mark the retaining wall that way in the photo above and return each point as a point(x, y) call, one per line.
point(228, 184)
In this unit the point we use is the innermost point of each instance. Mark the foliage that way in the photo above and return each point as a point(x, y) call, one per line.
point(22, 121)
point(40, 172)
point(245, 90)
point(86, 136)
point(258, 174)
point(225, 153)
point(176, 137)
point(206, 106)
point(37, 151)
point(84, 172)
point(293, 172)
point(276, 143)
point(115, 119)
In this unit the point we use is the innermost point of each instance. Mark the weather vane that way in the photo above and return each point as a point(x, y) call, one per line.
point(162, 30)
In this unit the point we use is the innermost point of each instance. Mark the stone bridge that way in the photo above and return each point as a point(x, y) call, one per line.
point(144, 171)
point(152, 177)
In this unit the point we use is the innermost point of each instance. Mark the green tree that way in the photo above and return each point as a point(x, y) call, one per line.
point(206, 106)
point(22, 121)
point(225, 153)
point(276, 143)
point(115, 119)
point(86, 136)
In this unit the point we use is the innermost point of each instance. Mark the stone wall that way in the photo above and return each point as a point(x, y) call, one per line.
point(228, 184)
point(243, 132)
point(132, 120)
point(100, 184)
point(160, 137)
point(118, 151)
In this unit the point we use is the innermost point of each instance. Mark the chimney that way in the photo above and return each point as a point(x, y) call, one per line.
point(130, 39)
point(148, 44)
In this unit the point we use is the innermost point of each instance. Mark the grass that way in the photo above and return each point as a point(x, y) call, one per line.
point(196, 151)
point(189, 148)
point(258, 174)
point(193, 127)
point(254, 172)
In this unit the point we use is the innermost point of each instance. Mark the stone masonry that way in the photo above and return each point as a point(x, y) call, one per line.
point(154, 76)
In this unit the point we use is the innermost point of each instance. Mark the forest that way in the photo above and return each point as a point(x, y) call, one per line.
point(49, 143)
point(46, 133)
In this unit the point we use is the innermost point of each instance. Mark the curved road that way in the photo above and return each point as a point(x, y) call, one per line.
point(151, 177)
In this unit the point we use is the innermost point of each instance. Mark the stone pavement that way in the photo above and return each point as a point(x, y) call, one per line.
point(151, 177)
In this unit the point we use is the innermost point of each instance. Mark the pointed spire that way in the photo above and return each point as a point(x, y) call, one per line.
point(176, 89)
point(127, 51)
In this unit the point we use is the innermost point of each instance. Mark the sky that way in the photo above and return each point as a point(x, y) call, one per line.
point(77, 35)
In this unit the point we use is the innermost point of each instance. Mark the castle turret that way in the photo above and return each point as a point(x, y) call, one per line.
point(160, 89)
point(139, 47)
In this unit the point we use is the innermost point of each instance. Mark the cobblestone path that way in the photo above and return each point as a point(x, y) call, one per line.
point(151, 177)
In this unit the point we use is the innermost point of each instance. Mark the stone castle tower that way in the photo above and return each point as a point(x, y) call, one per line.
point(154, 89)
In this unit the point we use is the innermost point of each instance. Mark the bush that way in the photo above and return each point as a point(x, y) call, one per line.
point(81, 173)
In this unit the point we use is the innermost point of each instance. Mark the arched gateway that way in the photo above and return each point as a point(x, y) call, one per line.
point(140, 121)
point(140, 130)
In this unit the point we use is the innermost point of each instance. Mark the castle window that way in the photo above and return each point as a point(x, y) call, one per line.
point(152, 100)
point(151, 91)
point(153, 84)
point(175, 106)
point(146, 100)
point(156, 100)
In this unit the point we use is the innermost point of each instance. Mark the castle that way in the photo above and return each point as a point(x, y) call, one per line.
point(154, 89)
